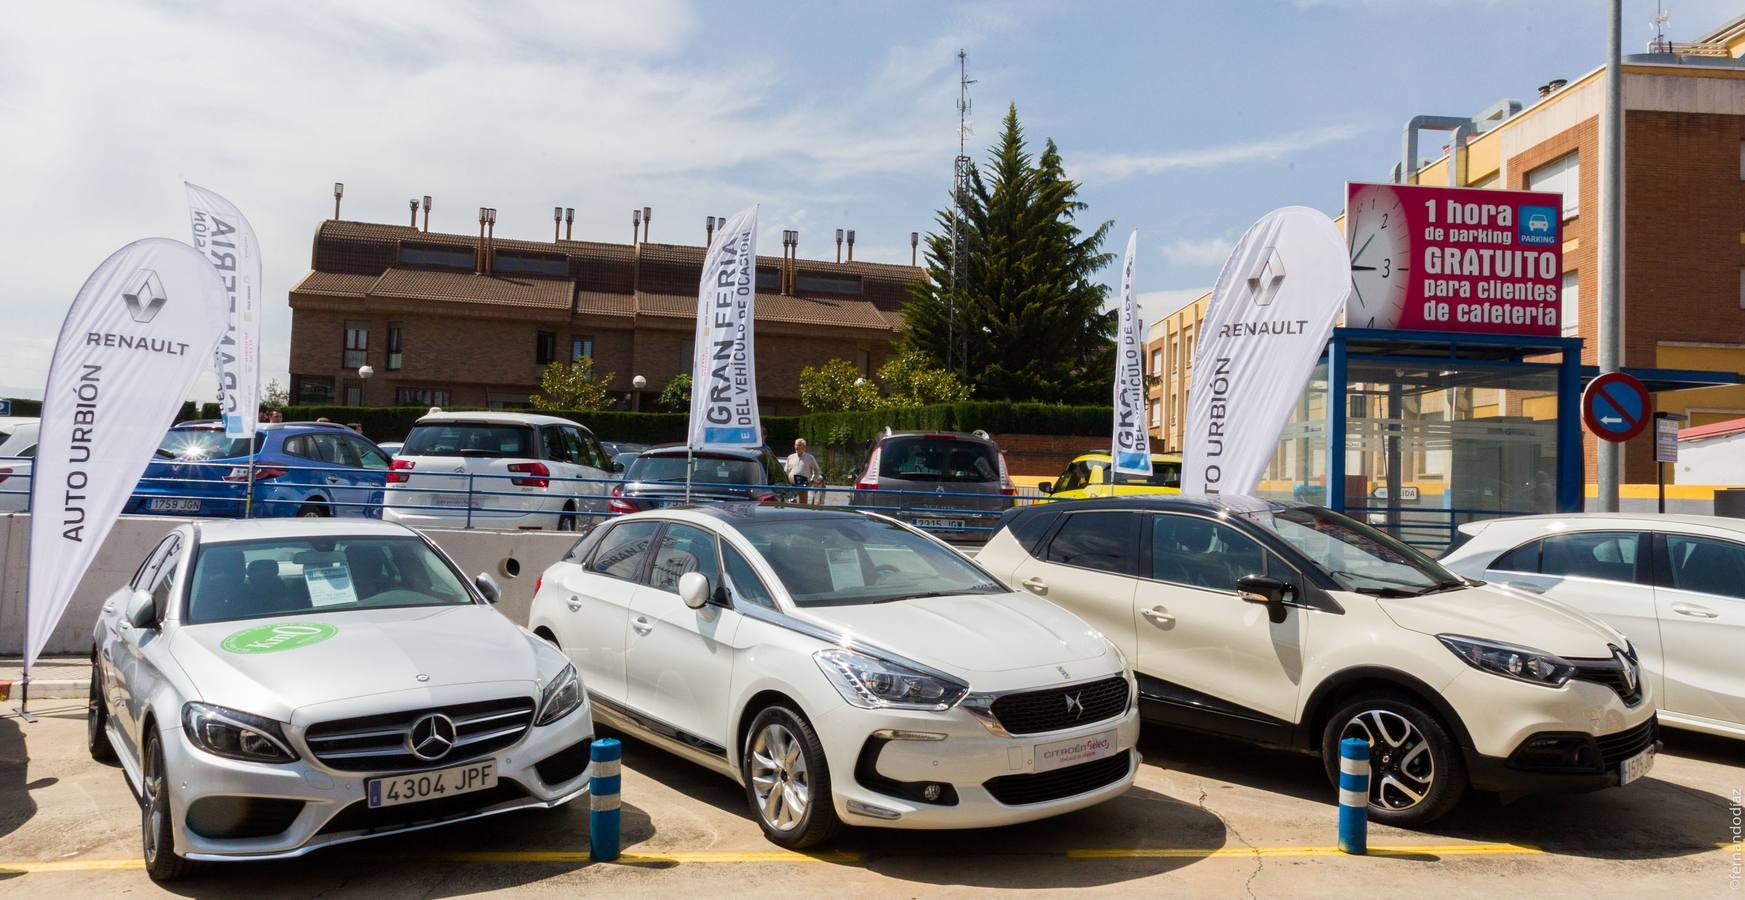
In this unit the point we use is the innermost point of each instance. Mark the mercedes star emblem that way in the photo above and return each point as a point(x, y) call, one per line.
point(1075, 705)
point(431, 737)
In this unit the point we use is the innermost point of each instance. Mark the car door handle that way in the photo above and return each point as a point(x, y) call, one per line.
point(1158, 615)
point(641, 625)
point(574, 603)
point(333, 479)
point(1035, 585)
point(1695, 611)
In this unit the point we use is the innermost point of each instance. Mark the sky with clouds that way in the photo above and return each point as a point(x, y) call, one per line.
point(1185, 120)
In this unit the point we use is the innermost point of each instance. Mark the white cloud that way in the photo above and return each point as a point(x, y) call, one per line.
point(1192, 253)
point(1116, 166)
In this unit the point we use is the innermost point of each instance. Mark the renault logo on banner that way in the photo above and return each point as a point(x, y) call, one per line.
point(1265, 280)
point(144, 296)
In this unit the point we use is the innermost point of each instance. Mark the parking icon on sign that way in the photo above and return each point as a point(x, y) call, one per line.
point(1538, 225)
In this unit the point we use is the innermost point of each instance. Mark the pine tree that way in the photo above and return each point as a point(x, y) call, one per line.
point(1029, 322)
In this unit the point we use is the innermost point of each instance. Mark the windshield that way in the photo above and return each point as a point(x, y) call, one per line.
point(259, 579)
point(938, 459)
point(704, 470)
point(195, 444)
point(1163, 474)
point(851, 561)
point(1358, 557)
point(471, 439)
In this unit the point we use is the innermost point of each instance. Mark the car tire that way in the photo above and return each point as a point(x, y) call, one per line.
point(157, 832)
point(782, 750)
point(1417, 772)
point(312, 511)
point(97, 718)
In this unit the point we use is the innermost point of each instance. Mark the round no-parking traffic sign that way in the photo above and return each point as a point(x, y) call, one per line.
point(1615, 407)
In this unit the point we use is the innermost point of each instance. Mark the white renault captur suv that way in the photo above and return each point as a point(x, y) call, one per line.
point(274, 686)
point(1298, 627)
point(842, 667)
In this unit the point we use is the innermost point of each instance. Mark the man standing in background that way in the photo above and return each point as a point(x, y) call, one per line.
point(802, 469)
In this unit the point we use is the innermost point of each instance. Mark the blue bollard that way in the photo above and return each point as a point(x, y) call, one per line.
point(604, 757)
point(1354, 796)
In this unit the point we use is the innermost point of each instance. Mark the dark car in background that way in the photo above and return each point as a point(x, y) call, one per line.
point(951, 483)
point(310, 469)
point(656, 478)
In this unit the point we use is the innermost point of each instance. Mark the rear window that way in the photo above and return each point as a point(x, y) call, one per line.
point(938, 459)
point(1163, 474)
point(706, 470)
point(471, 439)
point(198, 444)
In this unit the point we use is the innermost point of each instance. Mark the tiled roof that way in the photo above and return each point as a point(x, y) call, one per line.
point(1712, 430)
point(601, 303)
point(335, 283)
point(544, 293)
point(775, 308)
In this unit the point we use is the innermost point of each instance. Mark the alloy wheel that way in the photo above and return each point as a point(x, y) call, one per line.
point(157, 817)
point(779, 778)
point(1402, 770)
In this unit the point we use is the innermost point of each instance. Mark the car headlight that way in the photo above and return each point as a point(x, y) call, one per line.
point(1510, 661)
point(872, 683)
point(561, 696)
point(234, 734)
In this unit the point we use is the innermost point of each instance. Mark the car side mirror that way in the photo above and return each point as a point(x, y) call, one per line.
point(694, 590)
point(488, 587)
point(617, 466)
point(1046, 487)
point(141, 612)
point(1266, 591)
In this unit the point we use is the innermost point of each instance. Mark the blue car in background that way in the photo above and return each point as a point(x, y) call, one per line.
point(304, 469)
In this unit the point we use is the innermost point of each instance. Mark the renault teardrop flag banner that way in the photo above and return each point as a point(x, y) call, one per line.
point(724, 369)
point(1272, 310)
point(221, 232)
point(134, 341)
point(1132, 445)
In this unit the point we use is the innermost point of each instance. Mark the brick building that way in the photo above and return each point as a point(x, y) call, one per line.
point(441, 326)
point(1684, 225)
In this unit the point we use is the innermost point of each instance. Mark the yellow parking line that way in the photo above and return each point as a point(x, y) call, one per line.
point(674, 857)
point(1253, 852)
point(71, 865)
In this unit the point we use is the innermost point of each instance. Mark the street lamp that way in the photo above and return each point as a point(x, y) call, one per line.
point(639, 383)
point(363, 374)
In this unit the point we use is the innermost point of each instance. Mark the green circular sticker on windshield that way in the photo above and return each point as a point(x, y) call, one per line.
point(283, 636)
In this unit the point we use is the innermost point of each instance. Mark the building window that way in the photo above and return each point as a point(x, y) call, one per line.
point(314, 391)
point(863, 361)
point(1560, 176)
point(1571, 304)
point(532, 265)
point(357, 344)
point(354, 393)
point(688, 355)
point(410, 396)
point(428, 255)
point(545, 348)
point(1175, 353)
point(494, 400)
point(581, 347)
point(1157, 414)
point(1188, 354)
point(826, 284)
point(396, 346)
point(768, 279)
point(1157, 361)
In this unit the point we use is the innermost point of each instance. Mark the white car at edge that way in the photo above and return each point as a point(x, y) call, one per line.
point(17, 458)
point(272, 686)
point(843, 667)
point(1675, 585)
point(508, 471)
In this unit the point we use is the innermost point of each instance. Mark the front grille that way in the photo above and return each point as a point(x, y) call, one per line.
point(1610, 673)
point(1017, 790)
point(1034, 712)
point(232, 818)
point(360, 817)
point(381, 743)
point(564, 764)
point(1615, 748)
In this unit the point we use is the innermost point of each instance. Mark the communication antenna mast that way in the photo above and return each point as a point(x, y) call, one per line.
point(959, 193)
point(1661, 15)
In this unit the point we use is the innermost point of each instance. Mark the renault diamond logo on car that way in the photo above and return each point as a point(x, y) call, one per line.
point(1629, 669)
point(144, 296)
point(1075, 705)
point(431, 737)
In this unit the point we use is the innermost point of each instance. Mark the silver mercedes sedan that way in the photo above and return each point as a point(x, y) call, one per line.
point(270, 687)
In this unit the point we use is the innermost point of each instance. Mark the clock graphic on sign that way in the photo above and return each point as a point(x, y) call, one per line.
point(1380, 253)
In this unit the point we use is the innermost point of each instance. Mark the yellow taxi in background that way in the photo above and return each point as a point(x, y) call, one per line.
point(1087, 476)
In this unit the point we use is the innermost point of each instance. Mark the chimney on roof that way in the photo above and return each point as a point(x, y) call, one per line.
point(556, 223)
point(413, 203)
point(569, 221)
point(708, 231)
point(635, 226)
point(1557, 84)
point(782, 276)
point(479, 254)
point(427, 213)
point(1545, 90)
point(491, 240)
point(914, 242)
point(851, 245)
point(647, 220)
point(338, 192)
point(839, 245)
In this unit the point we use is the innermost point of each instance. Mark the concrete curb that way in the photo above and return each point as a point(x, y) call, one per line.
point(47, 689)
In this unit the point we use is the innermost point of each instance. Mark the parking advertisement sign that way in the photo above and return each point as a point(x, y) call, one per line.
point(1454, 259)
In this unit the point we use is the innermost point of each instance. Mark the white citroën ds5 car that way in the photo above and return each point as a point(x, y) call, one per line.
point(270, 687)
